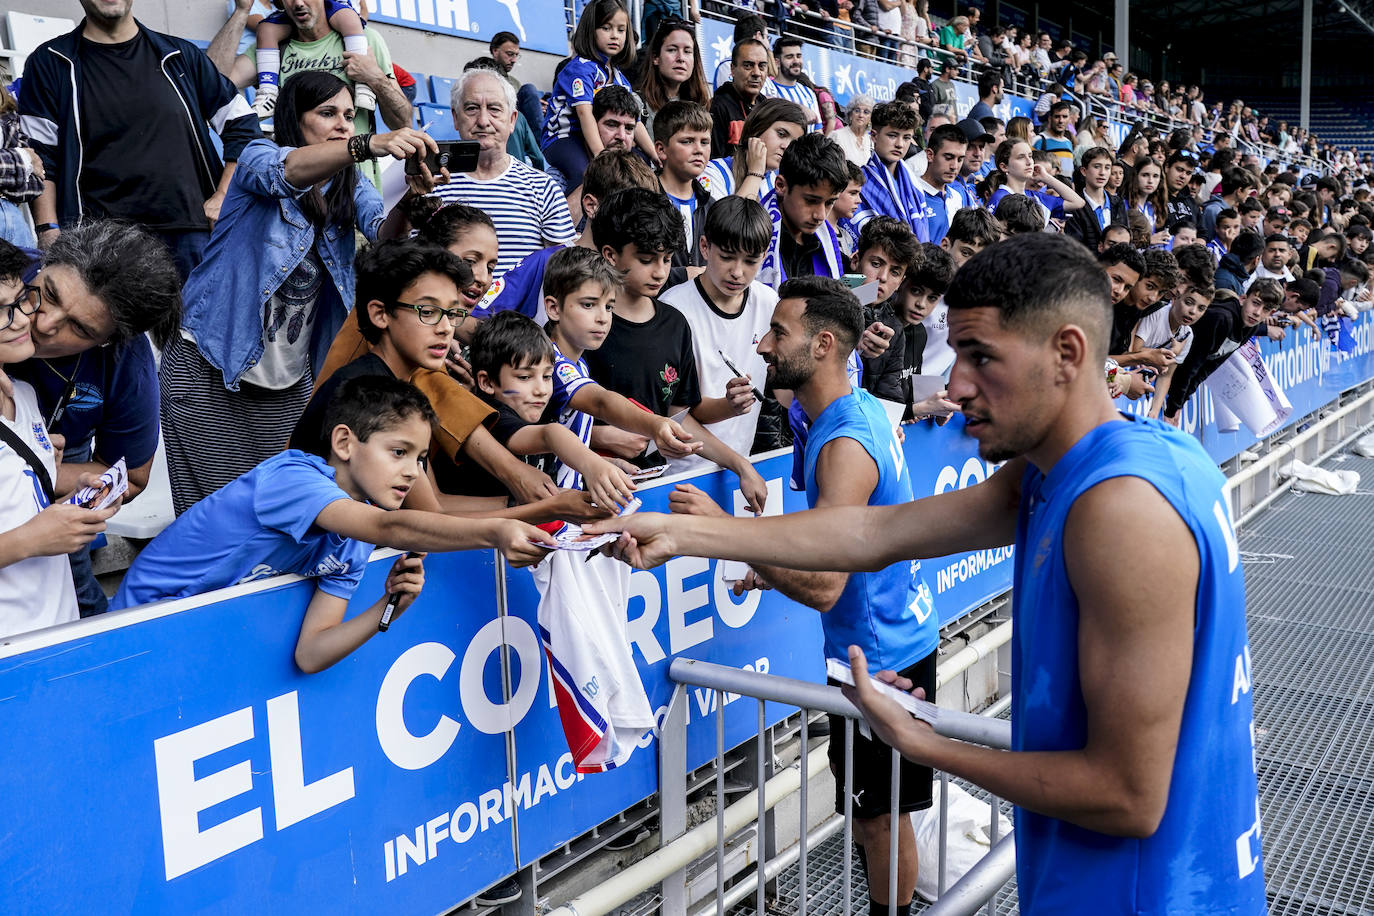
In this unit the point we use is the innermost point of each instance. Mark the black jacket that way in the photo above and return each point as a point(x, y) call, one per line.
point(1217, 334)
point(1082, 223)
point(728, 112)
point(889, 376)
point(691, 257)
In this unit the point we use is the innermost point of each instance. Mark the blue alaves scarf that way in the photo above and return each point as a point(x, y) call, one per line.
point(886, 195)
point(827, 261)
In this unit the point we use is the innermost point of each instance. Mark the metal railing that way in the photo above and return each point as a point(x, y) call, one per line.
point(681, 847)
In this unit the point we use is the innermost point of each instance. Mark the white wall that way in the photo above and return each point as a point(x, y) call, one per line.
point(424, 52)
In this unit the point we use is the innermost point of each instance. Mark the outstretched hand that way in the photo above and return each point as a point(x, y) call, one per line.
point(889, 721)
point(644, 542)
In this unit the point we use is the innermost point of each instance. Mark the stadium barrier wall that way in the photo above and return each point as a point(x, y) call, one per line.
point(171, 758)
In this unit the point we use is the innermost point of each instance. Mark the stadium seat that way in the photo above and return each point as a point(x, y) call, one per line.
point(440, 88)
point(422, 93)
point(437, 121)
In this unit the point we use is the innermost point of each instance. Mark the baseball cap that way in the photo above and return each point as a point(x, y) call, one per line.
point(974, 131)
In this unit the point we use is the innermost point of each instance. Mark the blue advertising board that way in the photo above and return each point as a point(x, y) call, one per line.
point(481, 19)
point(183, 763)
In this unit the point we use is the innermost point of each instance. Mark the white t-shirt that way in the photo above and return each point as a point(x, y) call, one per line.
point(1154, 331)
point(938, 358)
point(738, 337)
point(37, 592)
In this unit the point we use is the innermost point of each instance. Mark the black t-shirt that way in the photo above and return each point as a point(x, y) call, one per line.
point(476, 480)
point(310, 434)
point(798, 258)
point(1124, 318)
point(140, 159)
point(652, 363)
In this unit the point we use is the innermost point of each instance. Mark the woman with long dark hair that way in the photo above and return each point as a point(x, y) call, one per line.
point(671, 70)
point(275, 286)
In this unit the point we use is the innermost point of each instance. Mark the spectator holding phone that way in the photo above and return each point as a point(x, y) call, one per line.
point(35, 535)
point(275, 285)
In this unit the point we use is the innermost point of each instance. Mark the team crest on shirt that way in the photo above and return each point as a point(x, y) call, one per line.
point(40, 435)
point(577, 87)
point(567, 373)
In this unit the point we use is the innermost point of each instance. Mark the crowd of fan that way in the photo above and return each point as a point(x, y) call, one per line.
point(575, 309)
point(517, 345)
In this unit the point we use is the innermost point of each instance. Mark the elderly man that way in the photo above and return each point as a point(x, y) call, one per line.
point(526, 205)
point(103, 284)
point(315, 46)
point(121, 117)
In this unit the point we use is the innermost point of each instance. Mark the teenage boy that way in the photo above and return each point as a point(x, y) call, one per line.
point(521, 287)
point(971, 230)
point(887, 251)
point(728, 311)
point(409, 303)
point(1100, 211)
point(682, 141)
point(579, 287)
point(512, 362)
point(852, 458)
point(945, 156)
point(1225, 229)
point(1171, 329)
point(1234, 187)
point(1183, 205)
point(1251, 215)
point(841, 217)
point(922, 289)
point(1159, 277)
point(889, 189)
point(811, 176)
point(1240, 260)
point(1056, 139)
point(318, 517)
point(971, 170)
point(1226, 325)
point(648, 354)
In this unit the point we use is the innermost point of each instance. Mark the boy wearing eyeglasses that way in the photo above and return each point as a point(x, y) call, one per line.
point(409, 305)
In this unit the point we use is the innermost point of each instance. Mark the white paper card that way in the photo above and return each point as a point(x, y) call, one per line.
point(921, 709)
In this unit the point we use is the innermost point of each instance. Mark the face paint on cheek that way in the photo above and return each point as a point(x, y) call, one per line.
point(509, 391)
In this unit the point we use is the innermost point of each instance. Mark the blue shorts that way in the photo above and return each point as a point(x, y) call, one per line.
point(330, 8)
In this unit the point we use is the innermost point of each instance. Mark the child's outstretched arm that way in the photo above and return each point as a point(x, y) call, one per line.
point(408, 529)
point(608, 485)
point(616, 409)
point(751, 483)
point(326, 638)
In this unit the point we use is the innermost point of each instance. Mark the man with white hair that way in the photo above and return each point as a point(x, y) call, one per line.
point(526, 205)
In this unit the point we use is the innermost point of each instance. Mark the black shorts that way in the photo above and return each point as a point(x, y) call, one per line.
point(873, 761)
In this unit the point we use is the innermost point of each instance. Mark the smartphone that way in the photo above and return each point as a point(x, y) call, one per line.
point(454, 155)
point(853, 281)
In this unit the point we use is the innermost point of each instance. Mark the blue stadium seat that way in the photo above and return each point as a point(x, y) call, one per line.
point(439, 88)
point(437, 121)
point(422, 93)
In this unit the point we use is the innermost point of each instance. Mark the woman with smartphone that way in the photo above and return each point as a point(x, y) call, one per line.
point(275, 285)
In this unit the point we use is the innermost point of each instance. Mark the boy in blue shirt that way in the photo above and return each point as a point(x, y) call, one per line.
point(299, 513)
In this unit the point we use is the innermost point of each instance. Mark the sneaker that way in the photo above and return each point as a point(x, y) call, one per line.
point(505, 892)
point(265, 102)
point(364, 97)
point(631, 838)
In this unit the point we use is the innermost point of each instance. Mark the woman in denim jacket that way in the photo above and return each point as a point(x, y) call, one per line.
point(275, 286)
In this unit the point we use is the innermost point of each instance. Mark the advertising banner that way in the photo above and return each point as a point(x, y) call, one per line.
point(480, 19)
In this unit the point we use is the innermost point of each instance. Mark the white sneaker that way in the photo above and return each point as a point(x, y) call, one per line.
point(265, 102)
point(364, 97)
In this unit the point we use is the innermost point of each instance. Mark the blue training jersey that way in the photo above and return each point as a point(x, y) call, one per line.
point(890, 613)
point(577, 82)
point(1205, 856)
point(519, 289)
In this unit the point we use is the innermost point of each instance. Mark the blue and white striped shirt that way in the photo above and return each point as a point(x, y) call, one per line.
point(794, 93)
point(569, 377)
point(578, 81)
point(529, 210)
point(719, 179)
point(885, 194)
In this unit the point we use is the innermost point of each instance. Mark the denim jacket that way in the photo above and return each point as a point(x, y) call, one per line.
point(261, 237)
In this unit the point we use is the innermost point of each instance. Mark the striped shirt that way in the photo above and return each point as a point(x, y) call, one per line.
point(529, 211)
point(569, 377)
point(794, 93)
point(886, 194)
point(719, 179)
point(578, 81)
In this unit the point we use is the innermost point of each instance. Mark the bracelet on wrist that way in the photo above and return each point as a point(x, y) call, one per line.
point(360, 147)
point(755, 175)
point(45, 227)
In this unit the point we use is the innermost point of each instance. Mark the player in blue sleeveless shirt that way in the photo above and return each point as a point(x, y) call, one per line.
point(852, 458)
point(1132, 760)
